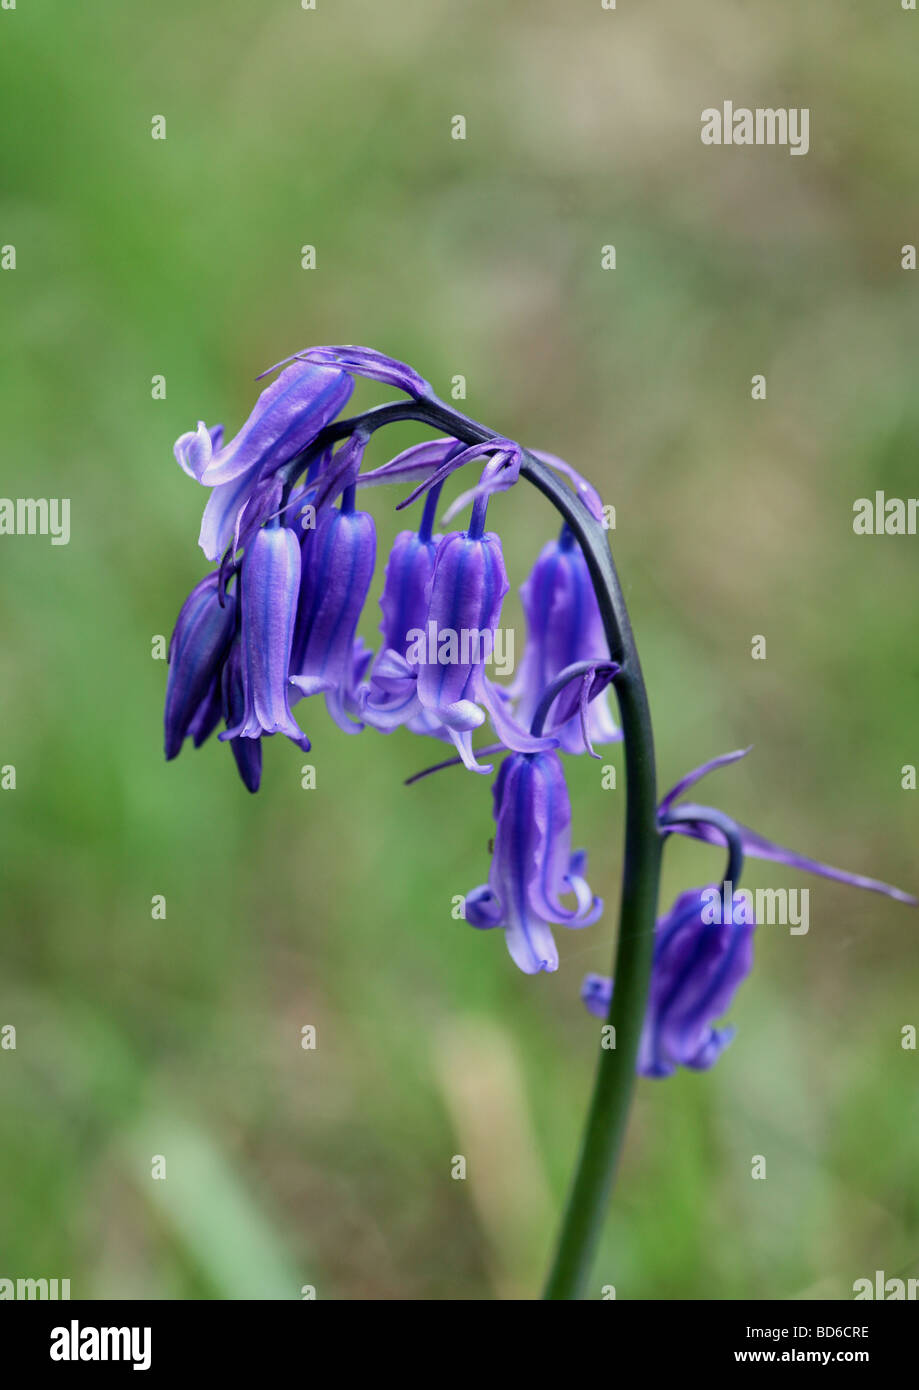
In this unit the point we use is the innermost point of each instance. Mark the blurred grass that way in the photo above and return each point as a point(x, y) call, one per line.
point(134, 257)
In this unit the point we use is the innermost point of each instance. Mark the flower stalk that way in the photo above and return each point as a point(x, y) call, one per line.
point(614, 1081)
point(287, 498)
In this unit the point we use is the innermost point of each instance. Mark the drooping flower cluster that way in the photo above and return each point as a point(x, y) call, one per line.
point(276, 622)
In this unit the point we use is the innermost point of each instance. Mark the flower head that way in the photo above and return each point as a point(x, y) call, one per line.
point(532, 866)
point(702, 954)
point(564, 626)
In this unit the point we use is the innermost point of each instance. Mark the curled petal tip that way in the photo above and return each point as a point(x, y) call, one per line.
point(194, 450)
point(691, 778)
point(367, 362)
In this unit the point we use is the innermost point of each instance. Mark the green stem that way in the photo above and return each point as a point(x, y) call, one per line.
point(614, 1084)
point(615, 1077)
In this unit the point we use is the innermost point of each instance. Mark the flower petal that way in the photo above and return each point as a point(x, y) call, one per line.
point(757, 847)
point(194, 451)
point(338, 563)
point(369, 363)
point(224, 505)
point(698, 773)
point(286, 417)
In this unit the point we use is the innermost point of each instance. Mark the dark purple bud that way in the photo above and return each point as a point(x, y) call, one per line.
point(207, 716)
point(199, 643)
point(699, 962)
point(532, 866)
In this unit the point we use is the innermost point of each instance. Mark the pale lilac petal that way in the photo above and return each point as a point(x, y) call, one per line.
point(218, 524)
point(194, 451)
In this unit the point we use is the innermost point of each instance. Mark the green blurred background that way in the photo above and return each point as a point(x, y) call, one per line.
point(331, 907)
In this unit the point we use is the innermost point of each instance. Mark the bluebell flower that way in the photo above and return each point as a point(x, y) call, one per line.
point(467, 591)
point(286, 418)
point(700, 960)
point(392, 700)
point(698, 966)
point(338, 561)
point(269, 583)
point(202, 635)
point(532, 866)
point(564, 626)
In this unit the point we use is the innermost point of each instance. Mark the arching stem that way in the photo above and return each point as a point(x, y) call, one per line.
point(614, 1081)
